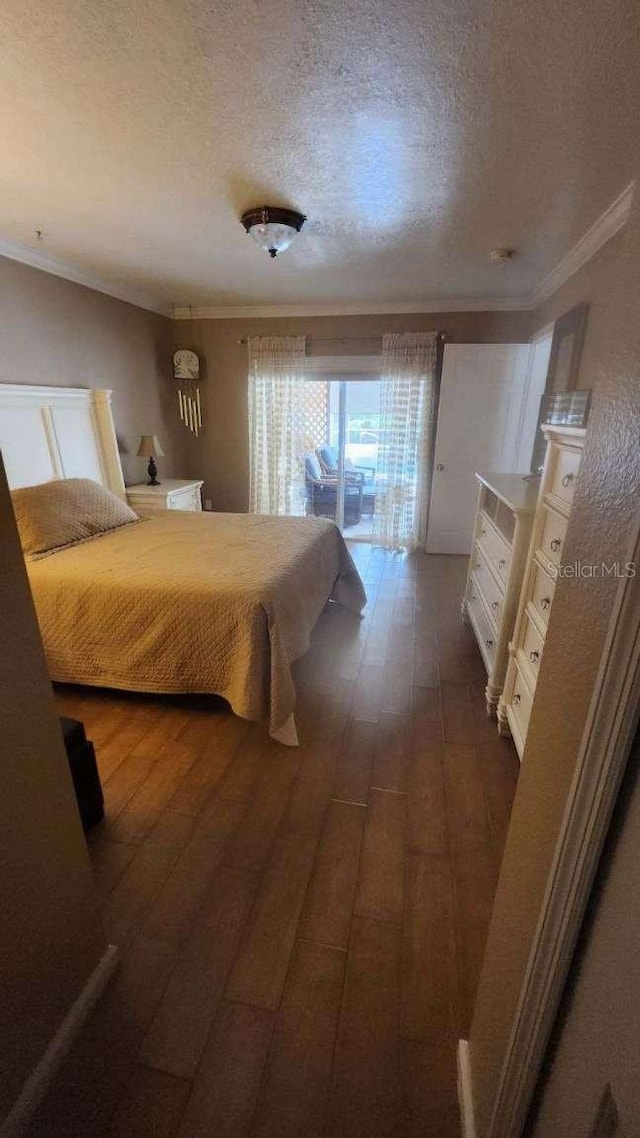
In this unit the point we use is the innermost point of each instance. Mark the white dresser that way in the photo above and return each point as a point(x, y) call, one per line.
point(506, 506)
point(559, 476)
point(170, 494)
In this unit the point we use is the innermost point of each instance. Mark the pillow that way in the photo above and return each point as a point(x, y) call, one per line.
point(63, 512)
point(328, 457)
point(312, 467)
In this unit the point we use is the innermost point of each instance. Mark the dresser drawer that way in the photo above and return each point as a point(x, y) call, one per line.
point(531, 648)
point(542, 590)
point(188, 499)
point(521, 702)
point(485, 634)
point(486, 583)
point(554, 529)
point(566, 465)
point(494, 547)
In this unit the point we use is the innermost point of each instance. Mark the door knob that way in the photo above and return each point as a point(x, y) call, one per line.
point(439, 466)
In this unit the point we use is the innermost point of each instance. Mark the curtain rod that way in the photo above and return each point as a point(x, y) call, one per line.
point(344, 339)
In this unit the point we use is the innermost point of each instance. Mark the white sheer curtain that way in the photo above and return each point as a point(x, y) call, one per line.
point(407, 420)
point(276, 385)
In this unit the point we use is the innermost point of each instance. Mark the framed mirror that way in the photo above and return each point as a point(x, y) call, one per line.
point(562, 374)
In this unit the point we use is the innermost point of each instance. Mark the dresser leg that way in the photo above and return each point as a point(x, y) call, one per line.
point(504, 729)
point(492, 695)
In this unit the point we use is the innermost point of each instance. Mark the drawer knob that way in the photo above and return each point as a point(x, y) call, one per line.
point(472, 597)
point(483, 533)
point(555, 544)
point(489, 643)
point(502, 563)
point(517, 697)
point(534, 656)
point(545, 603)
point(495, 606)
point(568, 479)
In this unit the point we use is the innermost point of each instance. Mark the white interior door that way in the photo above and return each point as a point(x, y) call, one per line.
point(482, 404)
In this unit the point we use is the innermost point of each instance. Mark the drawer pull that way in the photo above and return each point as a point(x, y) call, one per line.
point(483, 533)
point(472, 597)
point(545, 603)
point(555, 544)
point(489, 643)
point(534, 656)
point(502, 563)
point(568, 479)
point(495, 606)
point(517, 697)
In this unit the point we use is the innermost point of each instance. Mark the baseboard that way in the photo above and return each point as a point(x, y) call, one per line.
point(43, 1074)
point(465, 1090)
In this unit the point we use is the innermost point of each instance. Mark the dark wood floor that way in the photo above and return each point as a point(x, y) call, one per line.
point(301, 929)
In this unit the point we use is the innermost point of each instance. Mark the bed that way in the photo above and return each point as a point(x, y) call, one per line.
point(178, 602)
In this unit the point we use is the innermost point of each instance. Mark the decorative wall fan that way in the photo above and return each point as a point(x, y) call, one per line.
point(186, 372)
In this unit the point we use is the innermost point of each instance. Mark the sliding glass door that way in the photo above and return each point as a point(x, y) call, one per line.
point(347, 457)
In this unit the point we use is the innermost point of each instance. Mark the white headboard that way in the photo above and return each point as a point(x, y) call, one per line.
point(58, 432)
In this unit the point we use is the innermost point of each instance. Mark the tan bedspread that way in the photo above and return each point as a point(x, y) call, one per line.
point(195, 602)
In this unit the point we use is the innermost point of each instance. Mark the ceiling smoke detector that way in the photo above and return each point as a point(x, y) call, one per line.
point(272, 227)
point(498, 256)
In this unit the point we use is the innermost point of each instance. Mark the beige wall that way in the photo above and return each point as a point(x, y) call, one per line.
point(55, 332)
point(221, 454)
point(51, 936)
point(606, 502)
point(600, 1038)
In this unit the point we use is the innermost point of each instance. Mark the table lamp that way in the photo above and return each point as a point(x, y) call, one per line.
point(150, 448)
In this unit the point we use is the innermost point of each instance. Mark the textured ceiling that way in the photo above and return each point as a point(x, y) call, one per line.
point(416, 136)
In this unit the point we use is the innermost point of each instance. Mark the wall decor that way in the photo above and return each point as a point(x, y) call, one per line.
point(562, 373)
point(186, 372)
point(566, 346)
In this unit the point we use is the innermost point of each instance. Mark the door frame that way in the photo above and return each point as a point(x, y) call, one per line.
point(342, 427)
point(609, 731)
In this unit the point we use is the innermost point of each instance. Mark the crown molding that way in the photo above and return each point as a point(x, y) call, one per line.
point(364, 308)
point(608, 224)
point(59, 268)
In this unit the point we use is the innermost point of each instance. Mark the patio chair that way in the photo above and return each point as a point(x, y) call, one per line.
point(322, 493)
point(328, 459)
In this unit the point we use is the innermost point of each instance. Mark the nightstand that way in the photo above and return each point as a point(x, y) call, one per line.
point(171, 494)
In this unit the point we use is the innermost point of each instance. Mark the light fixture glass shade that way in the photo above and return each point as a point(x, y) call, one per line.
point(273, 228)
point(150, 447)
point(273, 238)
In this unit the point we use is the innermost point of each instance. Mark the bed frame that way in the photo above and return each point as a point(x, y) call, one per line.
point(58, 432)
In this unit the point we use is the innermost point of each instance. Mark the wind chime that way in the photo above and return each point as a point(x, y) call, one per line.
point(186, 372)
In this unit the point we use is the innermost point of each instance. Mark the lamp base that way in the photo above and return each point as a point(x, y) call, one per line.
point(152, 471)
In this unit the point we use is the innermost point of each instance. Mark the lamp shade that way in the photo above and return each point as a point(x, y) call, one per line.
point(150, 447)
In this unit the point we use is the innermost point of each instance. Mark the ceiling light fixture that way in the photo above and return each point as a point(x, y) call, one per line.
point(272, 227)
